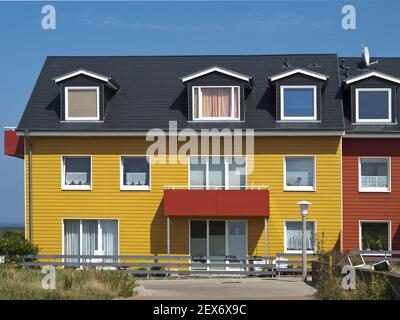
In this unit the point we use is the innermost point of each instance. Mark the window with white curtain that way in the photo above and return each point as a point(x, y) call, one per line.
point(76, 172)
point(135, 173)
point(90, 237)
point(218, 172)
point(299, 173)
point(374, 174)
point(216, 103)
point(294, 236)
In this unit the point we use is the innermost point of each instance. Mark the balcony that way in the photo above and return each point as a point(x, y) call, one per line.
point(250, 202)
point(13, 144)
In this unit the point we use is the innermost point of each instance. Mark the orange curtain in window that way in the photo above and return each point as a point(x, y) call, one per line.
point(216, 102)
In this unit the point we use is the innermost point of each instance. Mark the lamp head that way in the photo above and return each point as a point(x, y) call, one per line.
point(304, 208)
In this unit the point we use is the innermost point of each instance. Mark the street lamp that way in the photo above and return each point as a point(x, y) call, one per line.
point(304, 212)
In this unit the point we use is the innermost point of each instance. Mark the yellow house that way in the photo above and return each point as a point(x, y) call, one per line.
point(93, 186)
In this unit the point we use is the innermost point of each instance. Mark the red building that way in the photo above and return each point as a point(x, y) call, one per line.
point(371, 194)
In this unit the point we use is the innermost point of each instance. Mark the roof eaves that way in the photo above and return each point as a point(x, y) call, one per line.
point(298, 70)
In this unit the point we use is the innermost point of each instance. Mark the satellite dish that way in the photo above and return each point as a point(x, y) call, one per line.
point(367, 57)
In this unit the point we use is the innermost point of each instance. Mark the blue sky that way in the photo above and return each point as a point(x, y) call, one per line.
point(165, 28)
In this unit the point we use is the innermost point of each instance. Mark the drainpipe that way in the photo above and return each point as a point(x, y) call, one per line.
point(28, 143)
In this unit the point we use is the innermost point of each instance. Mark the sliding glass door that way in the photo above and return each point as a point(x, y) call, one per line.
point(218, 238)
point(237, 241)
point(90, 237)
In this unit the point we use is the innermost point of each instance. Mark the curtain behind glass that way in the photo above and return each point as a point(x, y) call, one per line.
point(294, 237)
point(89, 237)
point(216, 102)
point(374, 173)
point(71, 239)
point(109, 237)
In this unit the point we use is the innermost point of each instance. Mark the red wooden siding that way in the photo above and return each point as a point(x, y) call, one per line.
point(368, 205)
point(212, 203)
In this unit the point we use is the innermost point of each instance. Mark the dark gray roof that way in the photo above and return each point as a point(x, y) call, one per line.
point(356, 67)
point(151, 92)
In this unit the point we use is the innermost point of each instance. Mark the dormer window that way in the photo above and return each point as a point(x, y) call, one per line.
point(216, 102)
point(82, 103)
point(373, 105)
point(298, 103)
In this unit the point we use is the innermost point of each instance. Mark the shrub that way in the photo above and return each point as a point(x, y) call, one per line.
point(13, 246)
point(329, 287)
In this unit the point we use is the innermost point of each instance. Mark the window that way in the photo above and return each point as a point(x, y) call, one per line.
point(216, 103)
point(373, 105)
point(294, 236)
point(82, 103)
point(217, 172)
point(299, 173)
point(135, 173)
point(76, 173)
point(374, 174)
point(90, 237)
point(298, 103)
point(375, 235)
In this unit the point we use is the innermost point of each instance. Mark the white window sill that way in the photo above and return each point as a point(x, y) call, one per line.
point(216, 120)
point(299, 189)
point(298, 120)
point(377, 254)
point(86, 187)
point(377, 190)
point(135, 188)
point(299, 251)
point(377, 122)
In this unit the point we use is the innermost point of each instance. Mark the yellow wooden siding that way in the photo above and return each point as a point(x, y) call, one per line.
point(142, 224)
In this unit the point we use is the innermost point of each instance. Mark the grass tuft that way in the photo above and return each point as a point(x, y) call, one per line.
point(26, 284)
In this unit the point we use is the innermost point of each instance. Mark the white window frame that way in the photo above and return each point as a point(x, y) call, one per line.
point(99, 244)
point(388, 222)
point(388, 189)
point(226, 236)
point(285, 236)
point(121, 174)
point(200, 104)
point(75, 187)
point(305, 118)
point(389, 92)
point(300, 188)
point(226, 172)
point(67, 117)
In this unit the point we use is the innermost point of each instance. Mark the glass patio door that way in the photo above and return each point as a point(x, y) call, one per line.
point(236, 242)
point(220, 239)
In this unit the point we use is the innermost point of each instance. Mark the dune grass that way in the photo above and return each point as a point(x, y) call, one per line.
point(26, 284)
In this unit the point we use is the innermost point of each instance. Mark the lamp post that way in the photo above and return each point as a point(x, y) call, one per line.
point(304, 212)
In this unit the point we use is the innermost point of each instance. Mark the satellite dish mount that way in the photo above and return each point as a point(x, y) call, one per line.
point(366, 56)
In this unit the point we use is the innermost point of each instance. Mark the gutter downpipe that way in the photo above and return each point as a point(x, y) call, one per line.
point(30, 185)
